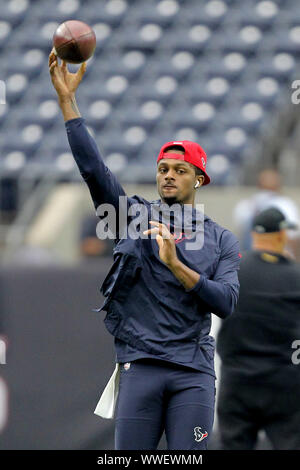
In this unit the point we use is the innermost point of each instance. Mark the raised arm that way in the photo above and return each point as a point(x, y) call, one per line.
point(103, 185)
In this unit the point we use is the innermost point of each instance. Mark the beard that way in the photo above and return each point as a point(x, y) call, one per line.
point(171, 200)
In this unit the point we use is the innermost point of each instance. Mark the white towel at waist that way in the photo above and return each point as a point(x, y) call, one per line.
point(107, 403)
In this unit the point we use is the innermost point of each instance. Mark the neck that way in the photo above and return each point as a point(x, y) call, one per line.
point(171, 201)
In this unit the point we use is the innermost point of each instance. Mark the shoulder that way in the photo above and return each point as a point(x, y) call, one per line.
point(135, 199)
point(224, 237)
point(226, 243)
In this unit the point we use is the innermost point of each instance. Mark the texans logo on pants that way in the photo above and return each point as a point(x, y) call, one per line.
point(199, 436)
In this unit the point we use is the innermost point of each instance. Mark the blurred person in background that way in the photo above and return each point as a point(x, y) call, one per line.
point(90, 246)
point(260, 384)
point(268, 195)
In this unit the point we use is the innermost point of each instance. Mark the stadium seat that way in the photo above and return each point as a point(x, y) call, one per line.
point(44, 114)
point(266, 91)
point(110, 89)
point(262, 14)
point(291, 15)
point(57, 145)
point(212, 13)
point(16, 86)
point(130, 64)
point(280, 67)
point(288, 41)
point(127, 142)
point(134, 136)
point(231, 142)
point(178, 64)
point(14, 12)
point(231, 67)
point(4, 110)
point(250, 117)
point(144, 38)
point(113, 13)
point(98, 113)
point(42, 39)
point(162, 89)
point(12, 164)
point(220, 168)
point(60, 11)
point(195, 39)
point(30, 63)
point(163, 12)
point(199, 117)
point(148, 115)
point(104, 34)
point(64, 162)
point(215, 91)
point(214, 72)
point(27, 139)
point(245, 41)
point(5, 33)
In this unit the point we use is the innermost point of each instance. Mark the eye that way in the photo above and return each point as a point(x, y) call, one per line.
point(181, 171)
point(161, 170)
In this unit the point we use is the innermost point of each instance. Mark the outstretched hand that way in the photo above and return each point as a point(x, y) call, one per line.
point(64, 82)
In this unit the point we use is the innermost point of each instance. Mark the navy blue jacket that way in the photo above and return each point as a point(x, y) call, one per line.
point(149, 311)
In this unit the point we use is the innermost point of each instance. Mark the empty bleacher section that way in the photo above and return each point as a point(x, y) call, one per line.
point(217, 72)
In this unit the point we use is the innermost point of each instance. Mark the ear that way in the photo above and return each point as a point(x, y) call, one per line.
point(199, 182)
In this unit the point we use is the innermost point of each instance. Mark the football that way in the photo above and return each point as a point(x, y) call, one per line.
point(74, 41)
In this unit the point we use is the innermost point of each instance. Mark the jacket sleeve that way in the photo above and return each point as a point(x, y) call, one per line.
point(222, 291)
point(102, 183)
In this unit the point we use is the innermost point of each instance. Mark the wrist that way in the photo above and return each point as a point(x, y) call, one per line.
point(66, 98)
point(173, 264)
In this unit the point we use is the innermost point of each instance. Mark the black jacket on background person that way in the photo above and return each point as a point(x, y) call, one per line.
point(255, 342)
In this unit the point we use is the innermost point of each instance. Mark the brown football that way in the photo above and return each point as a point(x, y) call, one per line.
point(74, 41)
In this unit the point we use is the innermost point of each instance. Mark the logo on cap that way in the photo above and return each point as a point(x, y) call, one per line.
point(177, 143)
point(203, 161)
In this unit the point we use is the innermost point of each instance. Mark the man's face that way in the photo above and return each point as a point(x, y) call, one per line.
point(271, 239)
point(176, 179)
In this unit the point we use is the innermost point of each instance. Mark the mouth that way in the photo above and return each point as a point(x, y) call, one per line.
point(169, 186)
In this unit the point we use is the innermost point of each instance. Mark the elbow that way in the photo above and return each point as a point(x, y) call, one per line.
point(233, 297)
point(224, 312)
point(229, 304)
point(229, 309)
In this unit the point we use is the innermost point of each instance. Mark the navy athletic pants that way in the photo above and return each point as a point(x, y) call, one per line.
point(156, 396)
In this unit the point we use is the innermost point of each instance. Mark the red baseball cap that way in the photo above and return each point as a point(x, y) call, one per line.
point(193, 154)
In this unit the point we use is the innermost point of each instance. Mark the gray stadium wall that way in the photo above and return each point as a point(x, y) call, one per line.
point(59, 357)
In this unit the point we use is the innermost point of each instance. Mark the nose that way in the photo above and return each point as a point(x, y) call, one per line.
point(169, 175)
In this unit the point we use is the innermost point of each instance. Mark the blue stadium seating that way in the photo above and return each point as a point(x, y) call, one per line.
point(15, 11)
point(164, 13)
point(112, 13)
point(214, 71)
point(30, 63)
